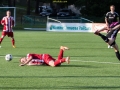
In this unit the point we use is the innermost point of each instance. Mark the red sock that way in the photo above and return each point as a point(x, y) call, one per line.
point(60, 56)
point(13, 41)
point(1, 40)
point(59, 61)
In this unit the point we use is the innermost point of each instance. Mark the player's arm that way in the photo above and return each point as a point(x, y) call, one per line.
point(118, 19)
point(27, 61)
point(34, 64)
point(116, 27)
point(117, 16)
point(106, 20)
point(3, 21)
point(12, 23)
point(106, 27)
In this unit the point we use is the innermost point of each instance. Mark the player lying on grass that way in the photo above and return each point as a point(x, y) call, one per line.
point(113, 30)
point(40, 59)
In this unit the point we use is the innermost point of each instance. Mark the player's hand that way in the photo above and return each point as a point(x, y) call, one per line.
point(109, 29)
point(2, 23)
point(107, 26)
point(21, 65)
point(12, 26)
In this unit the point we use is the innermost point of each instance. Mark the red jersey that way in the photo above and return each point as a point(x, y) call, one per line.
point(36, 58)
point(7, 22)
point(43, 58)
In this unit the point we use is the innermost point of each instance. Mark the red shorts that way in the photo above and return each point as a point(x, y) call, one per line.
point(48, 58)
point(9, 34)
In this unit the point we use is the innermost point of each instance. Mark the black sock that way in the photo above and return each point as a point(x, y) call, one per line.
point(104, 37)
point(117, 55)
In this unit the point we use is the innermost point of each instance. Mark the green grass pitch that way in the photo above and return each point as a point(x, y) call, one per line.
point(93, 66)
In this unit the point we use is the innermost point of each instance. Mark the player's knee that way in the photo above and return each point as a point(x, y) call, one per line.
point(53, 66)
point(107, 40)
point(113, 44)
point(2, 36)
point(51, 63)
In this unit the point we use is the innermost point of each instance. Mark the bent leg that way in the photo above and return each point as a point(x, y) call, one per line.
point(2, 36)
point(111, 42)
point(103, 29)
point(62, 49)
point(116, 51)
point(58, 62)
point(60, 55)
point(106, 39)
point(10, 34)
point(13, 41)
point(1, 39)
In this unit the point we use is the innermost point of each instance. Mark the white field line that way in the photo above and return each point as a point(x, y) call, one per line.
point(13, 57)
point(94, 62)
point(83, 61)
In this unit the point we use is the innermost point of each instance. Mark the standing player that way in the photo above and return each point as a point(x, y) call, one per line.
point(39, 59)
point(8, 23)
point(110, 18)
point(114, 29)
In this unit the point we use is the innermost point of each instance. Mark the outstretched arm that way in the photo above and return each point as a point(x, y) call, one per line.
point(27, 61)
point(3, 21)
point(34, 64)
point(116, 27)
point(106, 21)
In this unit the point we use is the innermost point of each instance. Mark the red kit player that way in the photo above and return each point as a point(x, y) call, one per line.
point(39, 59)
point(8, 23)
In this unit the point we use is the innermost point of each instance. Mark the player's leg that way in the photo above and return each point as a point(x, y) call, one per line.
point(10, 34)
point(112, 37)
point(109, 46)
point(106, 39)
point(111, 42)
point(60, 56)
point(1, 39)
point(116, 49)
point(103, 29)
point(58, 62)
point(113, 26)
point(62, 49)
point(13, 42)
point(102, 36)
point(109, 34)
point(2, 36)
point(53, 63)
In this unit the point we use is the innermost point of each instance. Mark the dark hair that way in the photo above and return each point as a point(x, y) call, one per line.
point(8, 11)
point(20, 60)
point(112, 6)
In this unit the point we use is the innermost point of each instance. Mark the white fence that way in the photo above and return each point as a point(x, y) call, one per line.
point(74, 27)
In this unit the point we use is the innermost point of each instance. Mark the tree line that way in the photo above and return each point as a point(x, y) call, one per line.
point(92, 7)
point(97, 7)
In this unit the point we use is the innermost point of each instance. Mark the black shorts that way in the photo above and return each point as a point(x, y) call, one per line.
point(109, 34)
point(113, 34)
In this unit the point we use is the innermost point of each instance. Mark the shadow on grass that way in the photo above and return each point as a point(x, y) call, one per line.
point(85, 66)
point(16, 77)
point(64, 87)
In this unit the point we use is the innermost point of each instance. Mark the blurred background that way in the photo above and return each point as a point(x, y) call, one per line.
point(35, 11)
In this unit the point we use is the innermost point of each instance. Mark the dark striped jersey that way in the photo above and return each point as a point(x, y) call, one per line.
point(112, 17)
